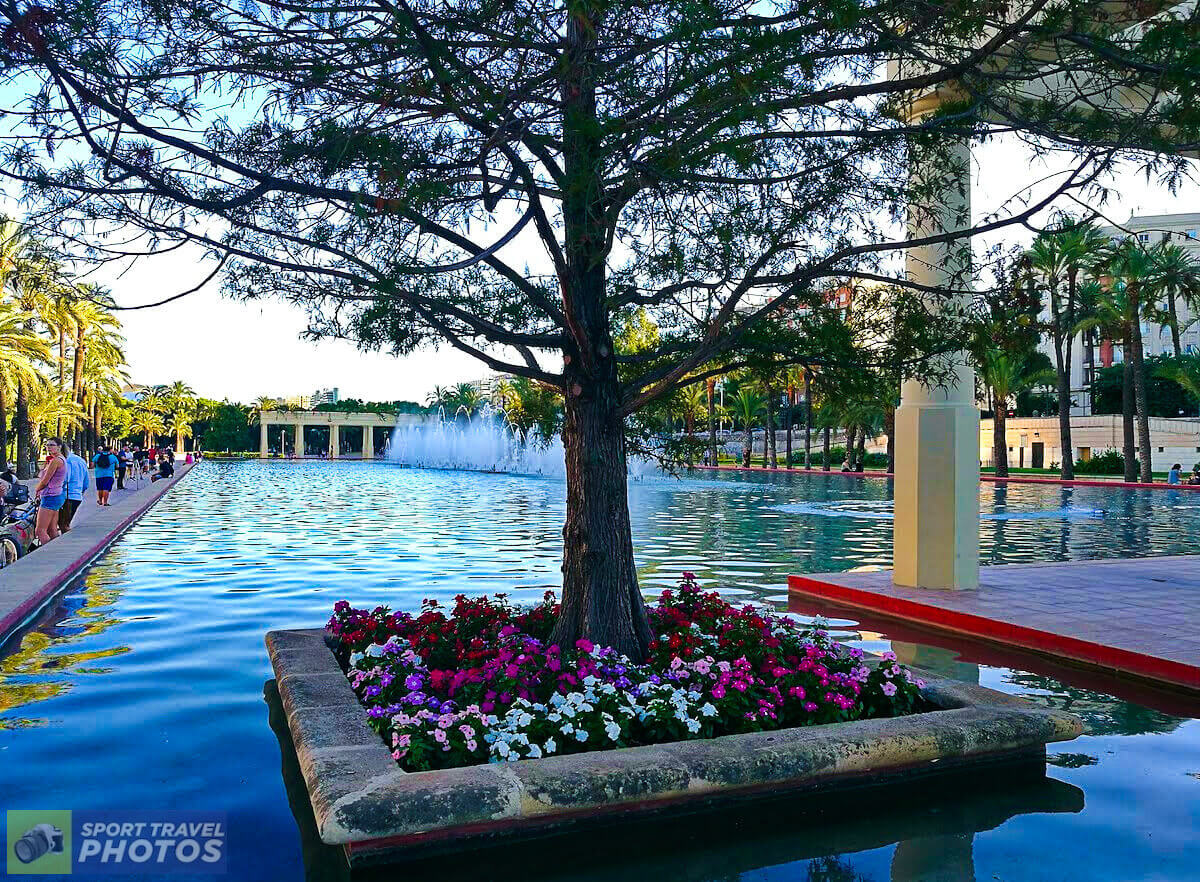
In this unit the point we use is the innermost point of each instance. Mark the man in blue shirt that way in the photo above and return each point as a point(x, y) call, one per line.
point(77, 483)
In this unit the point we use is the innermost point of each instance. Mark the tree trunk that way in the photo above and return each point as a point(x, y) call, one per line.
point(1062, 368)
point(851, 435)
point(1139, 397)
point(26, 458)
point(3, 426)
point(1064, 340)
point(999, 436)
point(689, 432)
point(747, 444)
point(861, 459)
point(889, 428)
point(825, 452)
point(712, 423)
point(787, 420)
point(601, 600)
point(1127, 415)
point(769, 458)
point(807, 419)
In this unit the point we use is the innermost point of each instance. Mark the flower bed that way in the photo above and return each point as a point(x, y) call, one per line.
point(484, 684)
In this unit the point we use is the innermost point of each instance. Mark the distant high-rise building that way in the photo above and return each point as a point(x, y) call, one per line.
point(301, 401)
point(324, 396)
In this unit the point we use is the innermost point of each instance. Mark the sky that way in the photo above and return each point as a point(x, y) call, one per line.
point(230, 349)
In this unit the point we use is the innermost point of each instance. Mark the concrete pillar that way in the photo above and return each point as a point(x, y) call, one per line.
point(368, 442)
point(262, 439)
point(334, 441)
point(936, 531)
point(299, 429)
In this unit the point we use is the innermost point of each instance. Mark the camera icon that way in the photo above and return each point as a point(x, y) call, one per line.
point(37, 841)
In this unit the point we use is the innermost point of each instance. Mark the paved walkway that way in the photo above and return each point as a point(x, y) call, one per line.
point(1131, 616)
point(28, 584)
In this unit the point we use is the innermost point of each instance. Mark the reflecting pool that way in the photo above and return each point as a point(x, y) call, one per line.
point(144, 686)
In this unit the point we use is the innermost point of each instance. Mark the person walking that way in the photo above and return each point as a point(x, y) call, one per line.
point(106, 468)
point(122, 465)
point(51, 491)
point(77, 484)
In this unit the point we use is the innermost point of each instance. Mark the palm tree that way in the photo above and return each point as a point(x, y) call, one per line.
point(746, 407)
point(148, 422)
point(1059, 256)
point(1131, 267)
point(180, 422)
point(691, 406)
point(1007, 374)
point(21, 349)
point(1174, 275)
point(1108, 311)
point(466, 399)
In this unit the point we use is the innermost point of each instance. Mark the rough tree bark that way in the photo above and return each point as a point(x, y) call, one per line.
point(860, 458)
point(999, 435)
point(851, 436)
point(3, 426)
point(825, 452)
point(807, 419)
point(712, 423)
point(769, 458)
point(1138, 367)
point(787, 420)
point(26, 459)
point(601, 600)
point(1127, 418)
point(1064, 343)
point(889, 428)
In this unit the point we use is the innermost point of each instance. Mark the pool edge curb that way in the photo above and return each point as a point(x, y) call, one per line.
point(44, 593)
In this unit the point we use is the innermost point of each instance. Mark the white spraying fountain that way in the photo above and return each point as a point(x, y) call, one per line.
point(484, 442)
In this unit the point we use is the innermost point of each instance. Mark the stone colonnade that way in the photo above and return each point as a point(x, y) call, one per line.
point(333, 421)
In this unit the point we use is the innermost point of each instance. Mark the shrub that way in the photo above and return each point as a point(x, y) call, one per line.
point(1106, 462)
point(483, 684)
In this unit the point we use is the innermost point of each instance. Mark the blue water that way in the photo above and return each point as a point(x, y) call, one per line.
point(144, 688)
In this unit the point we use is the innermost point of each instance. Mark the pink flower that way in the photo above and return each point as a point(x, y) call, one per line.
point(718, 691)
point(889, 689)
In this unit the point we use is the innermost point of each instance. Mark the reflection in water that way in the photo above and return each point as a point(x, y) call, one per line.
point(1101, 714)
point(41, 665)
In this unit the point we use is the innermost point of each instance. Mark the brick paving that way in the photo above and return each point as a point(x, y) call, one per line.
point(1139, 617)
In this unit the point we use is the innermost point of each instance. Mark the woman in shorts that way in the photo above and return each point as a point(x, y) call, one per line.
point(51, 489)
point(106, 470)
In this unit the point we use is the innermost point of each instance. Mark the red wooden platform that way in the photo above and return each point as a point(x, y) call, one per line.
point(1136, 617)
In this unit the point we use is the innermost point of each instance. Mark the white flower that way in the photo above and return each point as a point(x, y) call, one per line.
point(590, 680)
point(501, 749)
point(535, 752)
point(613, 731)
point(356, 657)
point(554, 717)
point(567, 728)
point(693, 726)
point(550, 746)
point(581, 735)
point(707, 710)
point(524, 720)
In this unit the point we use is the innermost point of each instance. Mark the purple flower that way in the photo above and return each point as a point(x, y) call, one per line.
point(413, 682)
point(889, 689)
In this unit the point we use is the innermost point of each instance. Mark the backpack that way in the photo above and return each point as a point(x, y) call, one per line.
point(103, 460)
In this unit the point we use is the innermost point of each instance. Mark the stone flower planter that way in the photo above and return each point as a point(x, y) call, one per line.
point(363, 801)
